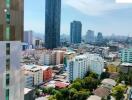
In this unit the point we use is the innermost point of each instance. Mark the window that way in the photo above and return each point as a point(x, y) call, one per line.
point(8, 17)
point(7, 64)
point(7, 33)
point(8, 49)
point(8, 3)
point(7, 94)
point(7, 79)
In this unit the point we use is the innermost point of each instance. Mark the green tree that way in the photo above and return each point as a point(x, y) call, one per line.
point(76, 85)
point(59, 96)
point(118, 92)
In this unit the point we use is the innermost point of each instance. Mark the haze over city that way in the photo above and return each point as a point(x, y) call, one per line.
point(104, 16)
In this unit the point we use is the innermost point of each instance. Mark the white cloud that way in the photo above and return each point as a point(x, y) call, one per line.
point(95, 7)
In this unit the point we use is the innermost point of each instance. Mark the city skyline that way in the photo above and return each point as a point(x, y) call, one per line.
point(104, 16)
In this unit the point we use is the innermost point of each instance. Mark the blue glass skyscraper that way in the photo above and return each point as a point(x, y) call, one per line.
point(52, 23)
point(75, 32)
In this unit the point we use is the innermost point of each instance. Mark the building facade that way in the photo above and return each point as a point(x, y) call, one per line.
point(90, 37)
point(52, 57)
point(52, 23)
point(33, 75)
point(75, 32)
point(11, 35)
point(78, 66)
point(28, 37)
point(126, 55)
point(99, 39)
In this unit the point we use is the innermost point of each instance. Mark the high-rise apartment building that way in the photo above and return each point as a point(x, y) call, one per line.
point(99, 38)
point(11, 35)
point(75, 32)
point(28, 37)
point(78, 65)
point(90, 36)
point(52, 23)
point(126, 55)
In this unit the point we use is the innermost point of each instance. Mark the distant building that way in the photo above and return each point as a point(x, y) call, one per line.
point(52, 57)
point(52, 23)
point(78, 66)
point(38, 43)
point(126, 55)
point(75, 32)
point(28, 37)
point(90, 37)
point(99, 39)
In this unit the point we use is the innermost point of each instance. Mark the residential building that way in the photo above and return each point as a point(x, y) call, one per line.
point(102, 92)
point(108, 83)
point(52, 23)
point(90, 37)
point(78, 65)
point(96, 63)
point(75, 32)
point(47, 72)
point(33, 75)
point(38, 43)
point(94, 97)
point(11, 35)
point(52, 57)
point(126, 55)
point(99, 39)
point(28, 37)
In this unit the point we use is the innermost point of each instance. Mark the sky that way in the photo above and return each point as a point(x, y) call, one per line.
point(104, 16)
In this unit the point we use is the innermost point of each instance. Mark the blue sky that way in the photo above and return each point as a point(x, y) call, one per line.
point(104, 16)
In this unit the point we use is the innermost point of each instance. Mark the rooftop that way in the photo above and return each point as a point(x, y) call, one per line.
point(109, 81)
point(101, 92)
point(94, 97)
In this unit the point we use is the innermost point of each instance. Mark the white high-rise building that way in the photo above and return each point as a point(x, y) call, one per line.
point(78, 66)
point(11, 35)
point(11, 75)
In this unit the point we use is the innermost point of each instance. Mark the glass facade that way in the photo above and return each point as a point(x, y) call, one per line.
point(52, 23)
point(7, 79)
point(8, 3)
point(7, 94)
point(76, 32)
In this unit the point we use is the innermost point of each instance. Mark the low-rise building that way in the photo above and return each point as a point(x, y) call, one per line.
point(33, 75)
point(47, 72)
point(94, 97)
point(52, 57)
point(102, 92)
point(108, 83)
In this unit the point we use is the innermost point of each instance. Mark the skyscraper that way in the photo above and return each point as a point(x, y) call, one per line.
point(90, 36)
point(75, 32)
point(52, 23)
point(28, 37)
point(11, 35)
point(99, 39)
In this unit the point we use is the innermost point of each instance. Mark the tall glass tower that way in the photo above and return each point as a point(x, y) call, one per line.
point(11, 35)
point(75, 32)
point(52, 23)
